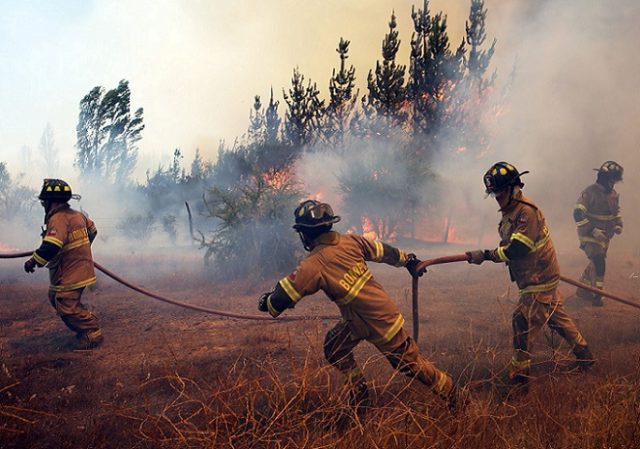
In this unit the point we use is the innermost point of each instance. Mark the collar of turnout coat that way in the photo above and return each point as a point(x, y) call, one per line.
point(328, 238)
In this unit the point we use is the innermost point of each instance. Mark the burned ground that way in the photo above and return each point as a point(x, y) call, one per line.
point(170, 377)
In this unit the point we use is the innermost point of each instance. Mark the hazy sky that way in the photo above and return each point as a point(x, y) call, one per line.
point(193, 65)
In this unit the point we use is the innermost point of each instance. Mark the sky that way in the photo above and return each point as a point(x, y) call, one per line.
point(194, 66)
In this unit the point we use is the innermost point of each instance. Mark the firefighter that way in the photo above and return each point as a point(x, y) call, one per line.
point(337, 265)
point(66, 251)
point(597, 216)
point(527, 249)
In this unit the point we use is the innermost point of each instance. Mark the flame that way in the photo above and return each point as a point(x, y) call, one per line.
point(368, 228)
point(277, 178)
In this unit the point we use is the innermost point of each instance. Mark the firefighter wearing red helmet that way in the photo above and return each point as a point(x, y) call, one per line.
point(66, 251)
point(598, 219)
point(527, 249)
point(337, 265)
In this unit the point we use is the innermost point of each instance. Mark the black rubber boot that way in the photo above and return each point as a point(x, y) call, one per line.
point(359, 398)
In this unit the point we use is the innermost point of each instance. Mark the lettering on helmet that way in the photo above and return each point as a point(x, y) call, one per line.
point(351, 276)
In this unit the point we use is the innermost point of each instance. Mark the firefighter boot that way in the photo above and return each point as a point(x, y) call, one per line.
point(519, 375)
point(359, 397)
point(89, 340)
point(584, 358)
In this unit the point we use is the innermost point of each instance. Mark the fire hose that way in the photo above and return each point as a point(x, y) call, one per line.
point(414, 290)
point(464, 258)
point(184, 304)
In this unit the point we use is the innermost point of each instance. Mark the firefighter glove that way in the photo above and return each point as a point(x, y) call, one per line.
point(262, 302)
point(476, 256)
point(412, 266)
point(30, 266)
point(599, 234)
point(618, 229)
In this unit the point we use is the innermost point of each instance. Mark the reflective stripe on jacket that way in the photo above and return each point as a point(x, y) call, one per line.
point(597, 208)
point(72, 267)
point(536, 270)
point(337, 266)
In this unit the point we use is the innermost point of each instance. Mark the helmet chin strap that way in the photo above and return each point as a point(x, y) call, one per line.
point(305, 241)
point(510, 200)
point(46, 204)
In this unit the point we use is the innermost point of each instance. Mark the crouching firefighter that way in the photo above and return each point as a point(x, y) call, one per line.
point(597, 217)
point(527, 249)
point(337, 266)
point(66, 251)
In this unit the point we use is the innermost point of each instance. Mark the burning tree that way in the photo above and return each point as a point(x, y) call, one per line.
point(392, 135)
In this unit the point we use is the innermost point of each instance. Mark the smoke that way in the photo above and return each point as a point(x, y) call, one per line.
point(574, 104)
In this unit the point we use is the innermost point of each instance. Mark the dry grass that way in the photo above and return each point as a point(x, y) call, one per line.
point(297, 402)
point(169, 378)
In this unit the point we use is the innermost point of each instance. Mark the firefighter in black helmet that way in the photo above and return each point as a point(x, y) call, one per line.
point(527, 249)
point(66, 251)
point(337, 265)
point(598, 219)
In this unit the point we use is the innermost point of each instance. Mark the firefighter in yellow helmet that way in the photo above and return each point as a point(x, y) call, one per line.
point(527, 249)
point(597, 216)
point(337, 265)
point(66, 251)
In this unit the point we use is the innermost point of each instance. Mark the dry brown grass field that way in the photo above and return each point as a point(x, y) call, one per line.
point(167, 377)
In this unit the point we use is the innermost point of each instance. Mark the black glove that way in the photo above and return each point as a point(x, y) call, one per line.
point(476, 256)
point(30, 266)
point(412, 266)
point(262, 302)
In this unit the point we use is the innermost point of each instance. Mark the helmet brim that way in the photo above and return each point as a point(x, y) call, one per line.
point(299, 226)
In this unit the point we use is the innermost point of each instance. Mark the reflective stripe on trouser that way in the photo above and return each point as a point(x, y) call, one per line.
point(532, 313)
point(401, 351)
point(593, 274)
point(73, 313)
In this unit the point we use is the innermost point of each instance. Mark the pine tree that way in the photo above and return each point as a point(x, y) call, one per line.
point(304, 111)
point(478, 60)
point(272, 121)
point(256, 130)
point(387, 93)
point(434, 73)
point(475, 88)
point(197, 166)
point(342, 99)
point(107, 134)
